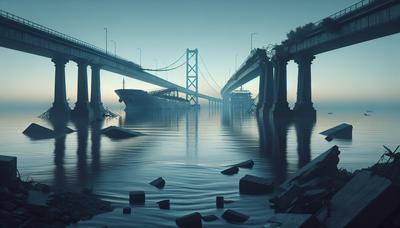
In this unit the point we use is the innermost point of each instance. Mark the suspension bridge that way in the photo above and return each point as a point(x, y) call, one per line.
point(23, 35)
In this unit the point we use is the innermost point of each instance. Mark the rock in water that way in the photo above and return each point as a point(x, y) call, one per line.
point(137, 197)
point(35, 131)
point(209, 218)
point(234, 216)
point(250, 184)
point(164, 204)
point(246, 164)
point(158, 183)
point(219, 201)
point(119, 133)
point(341, 131)
point(293, 220)
point(127, 210)
point(192, 220)
point(230, 171)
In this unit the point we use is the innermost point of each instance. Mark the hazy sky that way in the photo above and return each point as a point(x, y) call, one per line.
point(163, 29)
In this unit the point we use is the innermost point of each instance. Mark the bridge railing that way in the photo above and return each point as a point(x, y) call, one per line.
point(53, 32)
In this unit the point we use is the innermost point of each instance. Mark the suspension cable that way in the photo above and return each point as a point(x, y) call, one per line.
point(205, 66)
point(167, 68)
point(205, 79)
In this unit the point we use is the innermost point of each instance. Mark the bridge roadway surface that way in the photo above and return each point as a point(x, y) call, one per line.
point(23, 35)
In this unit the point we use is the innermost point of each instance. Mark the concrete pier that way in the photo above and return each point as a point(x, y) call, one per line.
point(82, 107)
point(96, 105)
point(304, 106)
point(280, 107)
point(60, 108)
point(268, 88)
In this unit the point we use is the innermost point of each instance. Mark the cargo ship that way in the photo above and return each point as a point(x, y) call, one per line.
point(138, 100)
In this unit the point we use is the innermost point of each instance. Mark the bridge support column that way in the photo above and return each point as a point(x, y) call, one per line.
point(60, 108)
point(82, 107)
point(267, 98)
point(95, 95)
point(304, 106)
point(280, 107)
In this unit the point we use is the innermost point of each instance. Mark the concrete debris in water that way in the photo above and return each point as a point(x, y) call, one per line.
point(219, 201)
point(35, 131)
point(192, 220)
point(164, 204)
point(158, 183)
point(127, 210)
point(114, 132)
point(137, 197)
point(246, 164)
point(292, 220)
point(209, 218)
point(230, 171)
point(250, 184)
point(341, 131)
point(8, 169)
point(234, 216)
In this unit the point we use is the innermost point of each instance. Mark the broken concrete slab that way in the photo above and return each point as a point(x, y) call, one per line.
point(158, 183)
point(287, 220)
point(35, 131)
point(341, 131)
point(219, 201)
point(209, 218)
point(283, 200)
point(328, 138)
point(192, 220)
point(323, 165)
point(234, 216)
point(246, 164)
point(365, 201)
point(230, 171)
point(8, 169)
point(115, 132)
point(250, 184)
point(137, 197)
point(127, 210)
point(164, 204)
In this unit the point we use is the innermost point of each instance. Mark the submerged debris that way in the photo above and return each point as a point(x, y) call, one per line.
point(158, 183)
point(114, 132)
point(234, 216)
point(246, 164)
point(250, 184)
point(137, 197)
point(35, 131)
point(230, 171)
point(164, 204)
point(192, 220)
point(209, 218)
point(341, 131)
point(219, 201)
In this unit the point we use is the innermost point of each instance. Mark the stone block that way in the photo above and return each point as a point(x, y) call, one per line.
point(158, 183)
point(234, 216)
point(219, 201)
point(137, 197)
point(114, 132)
point(250, 184)
point(246, 164)
point(192, 220)
point(164, 204)
point(341, 131)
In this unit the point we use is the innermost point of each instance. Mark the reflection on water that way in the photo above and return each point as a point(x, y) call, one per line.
point(189, 149)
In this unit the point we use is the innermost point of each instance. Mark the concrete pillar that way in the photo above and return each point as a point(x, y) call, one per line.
point(60, 105)
point(280, 107)
point(267, 98)
point(82, 107)
point(95, 95)
point(304, 105)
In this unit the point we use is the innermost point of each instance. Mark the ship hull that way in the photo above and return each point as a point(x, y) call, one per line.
point(139, 100)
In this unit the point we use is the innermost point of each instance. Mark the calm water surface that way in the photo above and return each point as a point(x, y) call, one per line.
point(188, 150)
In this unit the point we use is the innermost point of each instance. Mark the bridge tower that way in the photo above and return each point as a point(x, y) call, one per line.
point(192, 75)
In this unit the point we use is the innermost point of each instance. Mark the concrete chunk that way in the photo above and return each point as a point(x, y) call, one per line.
point(365, 201)
point(234, 216)
point(219, 201)
point(164, 204)
point(8, 169)
point(230, 171)
point(209, 218)
point(192, 220)
point(127, 210)
point(137, 197)
point(341, 131)
point(250, 184)
point(246, 164)
point(158, 183)
point(35, 131)
point(286, 220)
point(114, 132)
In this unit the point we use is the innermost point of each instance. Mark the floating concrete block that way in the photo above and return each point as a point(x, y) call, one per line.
point(328, 138)
point(230, 171)
point(137, 197)
point(286, 220)
point(35, 131)
point(127, 210)
point(158, 183)
point(119, 133)
point(234, 216)
point(192, 220)
point(365, 201)
point(219, 201)
point(8, 169)
point(209, 218)
point(341, 131)
point(250, 184)
point(246, 164)
point(164, 204)
point(324, 164)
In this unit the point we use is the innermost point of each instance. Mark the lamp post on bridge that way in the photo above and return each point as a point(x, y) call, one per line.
point(115, 47)
point(140, 56)
point(106, 38)
point(251, 40)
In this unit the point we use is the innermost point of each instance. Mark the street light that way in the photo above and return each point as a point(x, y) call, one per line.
point(236, 61)
point(106, 38)
point(140, 56)
point(115, 47)
point(251, 39)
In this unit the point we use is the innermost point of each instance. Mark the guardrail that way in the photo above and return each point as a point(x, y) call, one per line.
point(53, 32)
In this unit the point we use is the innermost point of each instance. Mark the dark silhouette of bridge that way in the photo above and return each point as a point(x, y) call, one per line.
point(363, 21)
